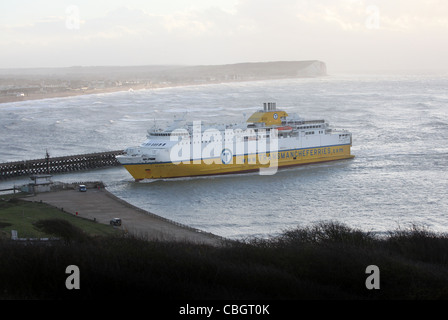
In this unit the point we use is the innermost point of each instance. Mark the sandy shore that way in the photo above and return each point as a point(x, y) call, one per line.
point(74, 93)
point(124, 88)
point(102, 206)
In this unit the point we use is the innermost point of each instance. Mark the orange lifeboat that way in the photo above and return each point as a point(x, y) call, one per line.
point(285, 129)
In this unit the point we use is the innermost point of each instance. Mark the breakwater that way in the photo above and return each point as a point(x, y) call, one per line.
point(49, 165)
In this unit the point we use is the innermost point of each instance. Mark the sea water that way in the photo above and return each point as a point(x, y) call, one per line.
point(399, 176)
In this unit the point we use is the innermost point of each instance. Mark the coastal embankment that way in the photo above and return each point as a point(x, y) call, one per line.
point(45, 83)
point(101, 206)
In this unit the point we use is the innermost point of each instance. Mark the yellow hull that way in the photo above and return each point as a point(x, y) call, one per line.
point(239, 164)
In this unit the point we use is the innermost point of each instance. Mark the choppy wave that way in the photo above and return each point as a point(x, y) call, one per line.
point(397, 177)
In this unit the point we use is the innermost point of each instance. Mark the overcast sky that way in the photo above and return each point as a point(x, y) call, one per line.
point(348, 35)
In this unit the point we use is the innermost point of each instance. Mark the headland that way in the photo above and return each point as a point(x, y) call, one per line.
point(44, 83)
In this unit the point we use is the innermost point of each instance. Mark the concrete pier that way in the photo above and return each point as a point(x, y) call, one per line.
point(49, 165)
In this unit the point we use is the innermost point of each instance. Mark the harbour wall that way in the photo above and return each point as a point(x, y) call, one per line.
point(50, 165)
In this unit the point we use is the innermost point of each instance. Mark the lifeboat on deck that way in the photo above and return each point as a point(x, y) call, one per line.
point(285, 129)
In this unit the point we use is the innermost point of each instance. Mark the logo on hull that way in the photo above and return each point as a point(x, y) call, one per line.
point(226, 156)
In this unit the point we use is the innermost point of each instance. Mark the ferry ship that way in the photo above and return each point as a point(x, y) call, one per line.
point(269, 139)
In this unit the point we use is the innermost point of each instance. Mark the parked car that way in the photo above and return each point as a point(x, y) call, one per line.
point(116, 222)
point(82, 188)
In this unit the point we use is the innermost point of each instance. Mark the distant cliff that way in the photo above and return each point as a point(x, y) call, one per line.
point(276, 69)
point(247, 71)
point(39, 83)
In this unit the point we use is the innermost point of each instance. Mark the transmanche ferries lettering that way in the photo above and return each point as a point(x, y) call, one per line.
point(270, 139)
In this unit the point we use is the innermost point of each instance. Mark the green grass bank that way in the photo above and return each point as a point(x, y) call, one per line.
point(17, 214)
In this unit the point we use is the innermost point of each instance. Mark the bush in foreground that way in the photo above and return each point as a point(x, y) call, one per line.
point(325, 261)
point(62, 229)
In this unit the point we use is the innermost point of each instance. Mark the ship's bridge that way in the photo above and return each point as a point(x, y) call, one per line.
point(269, 116)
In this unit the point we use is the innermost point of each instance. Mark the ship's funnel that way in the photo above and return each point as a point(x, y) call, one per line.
point(269, 106)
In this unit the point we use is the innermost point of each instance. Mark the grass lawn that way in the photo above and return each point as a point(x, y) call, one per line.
point(18, 214)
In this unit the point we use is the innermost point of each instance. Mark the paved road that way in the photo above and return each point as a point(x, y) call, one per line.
point(102, 206)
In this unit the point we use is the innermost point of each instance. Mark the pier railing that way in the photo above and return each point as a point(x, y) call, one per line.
point(50, 165)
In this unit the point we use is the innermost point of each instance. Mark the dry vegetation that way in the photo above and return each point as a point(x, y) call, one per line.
point(325, 261)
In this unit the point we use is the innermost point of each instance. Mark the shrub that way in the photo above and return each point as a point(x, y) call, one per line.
point(417, 242)
point(325, 232)
point(61, 228)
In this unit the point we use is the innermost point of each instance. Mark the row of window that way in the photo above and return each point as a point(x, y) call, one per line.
point(310, 127)
point(163, 134)
point(161, 144)
point(155, 144)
